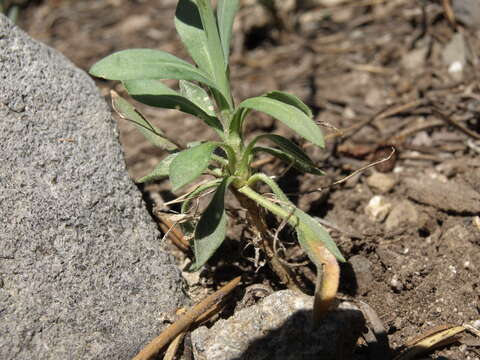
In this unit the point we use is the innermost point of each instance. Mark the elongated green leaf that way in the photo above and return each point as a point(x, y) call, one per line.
point(287, 146)
point(311, 235)
point(211, 228)
point(226, 10)
point(310, 232)
point(213, 38)
point(155, 93)
point(291, 100)
point(190, 164)
point(190, 28)
point(136, 64)
point(236, 125)
point(289, 115)
point(303, 167)
point(198, 96)
point(161, 171)
point(127, 111)
point(188, 226)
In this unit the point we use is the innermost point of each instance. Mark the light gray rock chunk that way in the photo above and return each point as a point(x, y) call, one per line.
point(403, 215)
point(468, 12)
point(448, 196)
point(279, 327)
point(81, 273)
point(381, 182)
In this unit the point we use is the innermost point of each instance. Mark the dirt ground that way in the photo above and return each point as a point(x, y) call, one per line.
point(379, 75)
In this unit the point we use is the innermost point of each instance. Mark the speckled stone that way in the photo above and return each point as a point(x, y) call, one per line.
point(82, 275)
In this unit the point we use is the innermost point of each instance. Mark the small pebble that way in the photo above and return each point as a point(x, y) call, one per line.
point(383, 183)
point(378, 208)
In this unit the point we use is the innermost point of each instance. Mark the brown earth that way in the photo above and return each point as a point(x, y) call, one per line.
point(381, 72)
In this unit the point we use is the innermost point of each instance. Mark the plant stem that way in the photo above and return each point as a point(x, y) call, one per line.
point(328, 270)
point(248, 198)
point(326, 286)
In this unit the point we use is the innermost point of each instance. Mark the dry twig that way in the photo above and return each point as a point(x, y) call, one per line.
point(185, 321)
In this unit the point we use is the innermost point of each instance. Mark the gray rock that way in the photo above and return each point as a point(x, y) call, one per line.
point(82, 273)
point(381, 182)
point(279, 327)
point(362, 268)
point(455, 55)
point(403, 214)
point(449, 196)
point(467, 11)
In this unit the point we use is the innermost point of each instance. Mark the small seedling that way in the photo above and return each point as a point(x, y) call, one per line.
point(204, 92)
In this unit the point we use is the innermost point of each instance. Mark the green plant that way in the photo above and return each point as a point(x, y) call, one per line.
point(204, 92)
point(9, 10)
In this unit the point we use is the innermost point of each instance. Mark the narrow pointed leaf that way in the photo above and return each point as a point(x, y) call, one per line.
point(291, 100)
point(213, 38)
point(236, 125)
point(287, 146)
point(188, 227)
point(190, 164)
point(211, 228)
point(147, 64)
point(198, 96)
point(161, 171)
point(190, 28)
point(311, 235)
point(303, 167)
point(290, 115)
point(156, 93)
point(127, 111)
point(226, 10)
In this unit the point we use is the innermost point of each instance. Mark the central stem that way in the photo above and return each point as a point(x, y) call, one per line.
point(257, 219)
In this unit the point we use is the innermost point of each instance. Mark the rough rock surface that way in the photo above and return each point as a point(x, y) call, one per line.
point(81, 272)
point(279, 327)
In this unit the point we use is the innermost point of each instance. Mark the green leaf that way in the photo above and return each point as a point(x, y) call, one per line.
point(238, 118)
point(156, 93)
point(311, 235)
point(187, 227)
point(198, 96)
point(161, 171)
point(289, 115)
point(190, 28)
point(190, 164)
point(226, 10)
point(303, 167)
point(211, 228)
point(136, 64)
point(213, 38)
point(127, 111)
point(291, 100)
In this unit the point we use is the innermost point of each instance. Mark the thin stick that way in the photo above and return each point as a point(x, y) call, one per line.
point(390, 111)
point(456, 124)
point(185, 321)
point(363, 168)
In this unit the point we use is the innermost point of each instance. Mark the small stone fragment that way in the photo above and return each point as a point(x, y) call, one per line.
point(448, 196)
point(378, 208)
point(402, 214)
point(396, 284)
point(415, 59)
point(467, 11)
point(363, 273)
point(381, 182)
point(455, 55)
